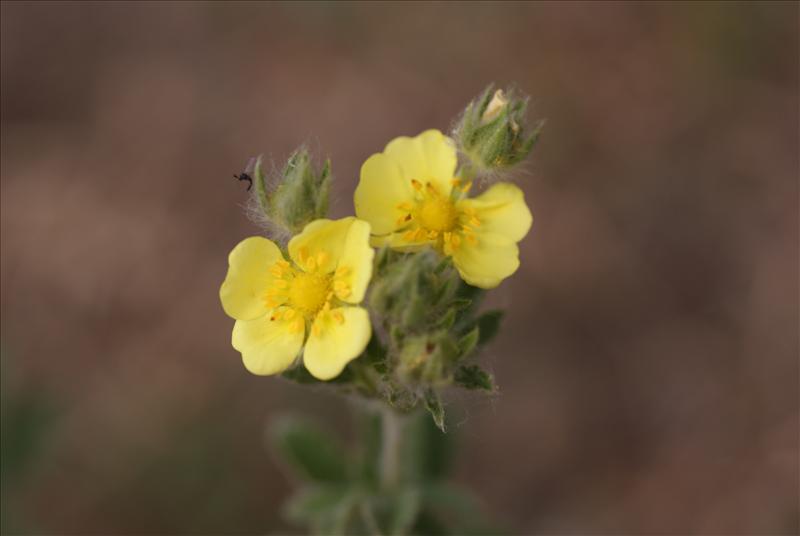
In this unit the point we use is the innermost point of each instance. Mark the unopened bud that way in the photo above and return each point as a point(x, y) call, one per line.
point(492, 133)
point(298, 196)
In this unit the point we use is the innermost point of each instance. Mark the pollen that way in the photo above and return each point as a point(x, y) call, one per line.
point(309, 292)
point(437, 214)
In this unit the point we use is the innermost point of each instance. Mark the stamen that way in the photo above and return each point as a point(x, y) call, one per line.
point(322, 258)
point(466, 187)
point(475, 221)
point(405, 206)
point(339, 317)
point(317, 327)
point(342, 271)
point(431, 189)
point(281, 283)
point(416, 185)
point(432, 234)
point(455, 182)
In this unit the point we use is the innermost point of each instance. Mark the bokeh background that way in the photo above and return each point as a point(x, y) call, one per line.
point(649, 365)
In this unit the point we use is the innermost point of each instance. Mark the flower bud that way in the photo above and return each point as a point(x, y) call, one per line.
point(492, 132)
point(428, 358)
point(414, 292)
point(298, 196)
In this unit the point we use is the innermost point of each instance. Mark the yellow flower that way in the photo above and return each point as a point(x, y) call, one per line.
point(412, 199)
point(276, 302)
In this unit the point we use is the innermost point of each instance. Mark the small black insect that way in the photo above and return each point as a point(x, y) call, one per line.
point(245, 177)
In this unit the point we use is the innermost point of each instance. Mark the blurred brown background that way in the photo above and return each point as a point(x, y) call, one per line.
point(649, 366)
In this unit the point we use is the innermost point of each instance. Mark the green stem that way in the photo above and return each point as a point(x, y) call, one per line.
point(391, 424)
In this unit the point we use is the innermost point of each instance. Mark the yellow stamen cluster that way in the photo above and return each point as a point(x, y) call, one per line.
point(306, 293)
point(432, 217)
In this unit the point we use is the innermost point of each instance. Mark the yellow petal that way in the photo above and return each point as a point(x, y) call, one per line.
point(267, 346)
point(398, 242)
point(355, 264)
point(488, 261)
point(242, 292)
point(321, 240)
point(340, 337)
point(380, 190)
point(502, 210)
point(429, 157)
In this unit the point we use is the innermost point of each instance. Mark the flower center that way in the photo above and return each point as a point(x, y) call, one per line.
point(443, 221)
point(309, 292)
point(437, 214)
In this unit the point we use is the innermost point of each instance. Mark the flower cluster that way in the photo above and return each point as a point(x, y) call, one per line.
point(302, 300)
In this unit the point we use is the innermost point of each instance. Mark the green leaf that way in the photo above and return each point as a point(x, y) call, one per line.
point(469, 341)
point(473, 377)
point(311, 453)
point(434, 405)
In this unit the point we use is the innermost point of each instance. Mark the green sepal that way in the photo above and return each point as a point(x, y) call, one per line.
point(473, 377)
point(434, 406)
point(469, 341)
